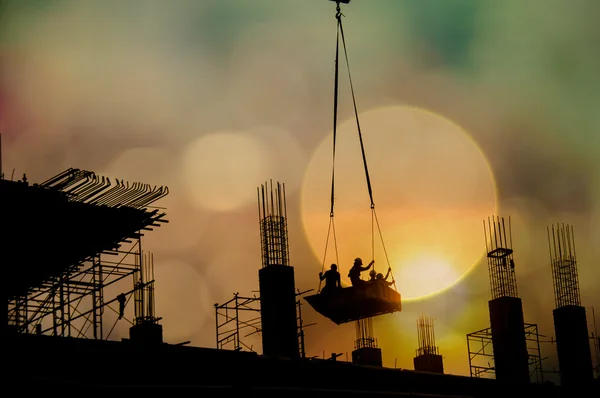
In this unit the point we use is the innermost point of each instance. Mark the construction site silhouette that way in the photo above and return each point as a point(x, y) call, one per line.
point(72, 251)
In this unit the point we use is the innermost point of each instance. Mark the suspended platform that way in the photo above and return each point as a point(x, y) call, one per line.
point(356, 302)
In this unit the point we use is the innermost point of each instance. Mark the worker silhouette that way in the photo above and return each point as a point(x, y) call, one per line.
point(355, 271)
point(121, 298)
point(332, 279)
point(382, 279)
point(372, 275)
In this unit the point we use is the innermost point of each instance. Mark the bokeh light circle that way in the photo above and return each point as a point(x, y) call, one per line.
point(432, 188)
point(221, 170)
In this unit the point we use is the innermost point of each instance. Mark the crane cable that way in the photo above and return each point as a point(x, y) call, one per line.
point(374, 219)
point(335, 114)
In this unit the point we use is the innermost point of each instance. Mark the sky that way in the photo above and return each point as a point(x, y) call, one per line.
point(467, 109)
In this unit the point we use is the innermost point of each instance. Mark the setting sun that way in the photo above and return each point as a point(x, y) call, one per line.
point(432, 186)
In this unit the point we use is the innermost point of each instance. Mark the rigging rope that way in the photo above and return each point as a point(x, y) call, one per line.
point(364, 156)
point(362, 147)
point(335, 108)
point(384, 249)
point(331, 228)
point(374, 220)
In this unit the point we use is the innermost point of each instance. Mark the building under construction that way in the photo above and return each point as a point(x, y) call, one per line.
point(510, 348)
point(514, 361)
point(72, 250)
point(53, 340)
point(570, 321)
point(67, 242)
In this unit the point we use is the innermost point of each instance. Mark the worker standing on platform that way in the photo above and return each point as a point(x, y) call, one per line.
point(372, 275)
point(332, 279)
point(382, 279)
point(355, 271)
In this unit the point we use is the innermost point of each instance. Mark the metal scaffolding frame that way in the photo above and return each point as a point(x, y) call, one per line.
point(532, 337)
point(73, 304)
point(481, 355)
point(232, 320)
point(563, 258)
point(240, 317)
point(482, 339)
point(596, 344)
point(501, 265)
point(301, 325)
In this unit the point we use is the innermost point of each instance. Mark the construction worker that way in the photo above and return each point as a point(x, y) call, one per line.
point(355, 271)
point(332, 279)
point(382, 279)
point(372, 275)
point(122, 299)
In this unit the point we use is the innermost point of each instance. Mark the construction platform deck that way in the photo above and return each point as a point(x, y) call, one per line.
point(50, 228)
point(352, 303)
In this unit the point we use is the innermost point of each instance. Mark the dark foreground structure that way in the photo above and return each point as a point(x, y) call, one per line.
point(77, 365)
point(570, 321)
point(45, 347)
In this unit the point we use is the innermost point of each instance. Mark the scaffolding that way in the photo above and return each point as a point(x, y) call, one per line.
point(481, 356)
point(596, 344)
point(71, 289)
point(501, 265)
point(563, 258)
point(426, 337)
point(240, 318)
point(301, 325)
point(237, 317)
point(73, 304)
point(536, 372)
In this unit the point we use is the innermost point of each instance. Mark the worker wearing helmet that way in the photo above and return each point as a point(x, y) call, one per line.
point(332, 279)
point(382, 279)
point(355, 271)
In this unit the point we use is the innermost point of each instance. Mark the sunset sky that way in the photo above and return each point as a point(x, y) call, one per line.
point(468, 108)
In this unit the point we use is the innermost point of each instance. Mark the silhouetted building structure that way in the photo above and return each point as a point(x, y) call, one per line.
point(276, 277)
point(166, 366)
point(506, 308)
point(570, 322)
point(366, 351)
point(68, 239)
point(428, 358)
point(515, 344)
point(100, 221)
point(146, 329)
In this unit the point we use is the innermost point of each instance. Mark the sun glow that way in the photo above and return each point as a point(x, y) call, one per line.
point(417, 270)
point(432, 188)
